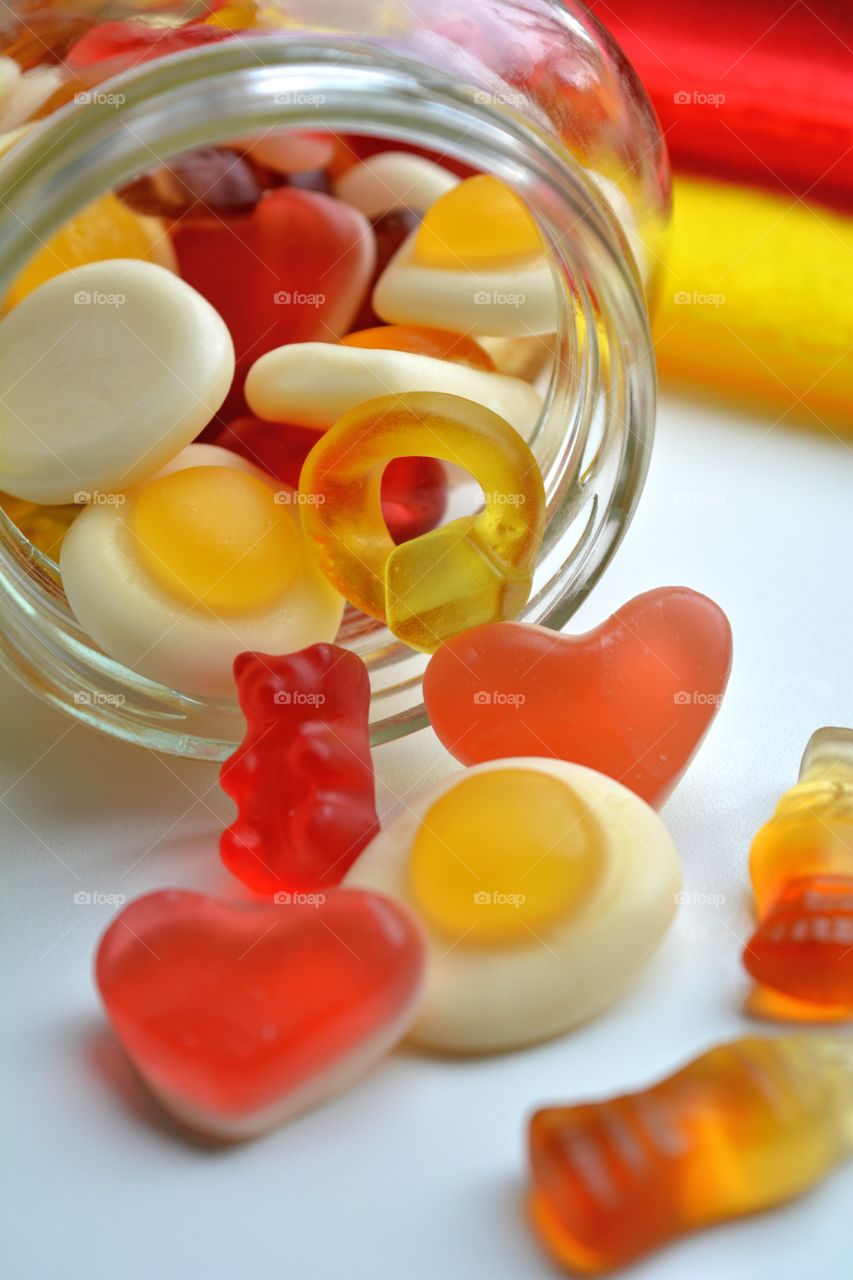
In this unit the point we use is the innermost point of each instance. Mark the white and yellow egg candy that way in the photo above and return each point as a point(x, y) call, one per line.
point(313, 384)
point(206, 560)
point(106, 372)
point(393, 180)
point(543, 887)
point(476, 264)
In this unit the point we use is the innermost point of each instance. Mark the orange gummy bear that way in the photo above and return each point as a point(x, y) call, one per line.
point(801, 864)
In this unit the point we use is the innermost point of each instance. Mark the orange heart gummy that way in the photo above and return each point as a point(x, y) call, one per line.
point(237, 1017)
point(632, 699)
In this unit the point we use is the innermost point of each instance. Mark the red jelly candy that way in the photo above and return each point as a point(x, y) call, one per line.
point(236, 1017)
point(132, 42)
point(302, 778)
point(632, 699)
point(414, 490)
point(295, 269)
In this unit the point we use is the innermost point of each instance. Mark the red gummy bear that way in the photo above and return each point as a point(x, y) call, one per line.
point(239, 1016)
point(414, 490)
point(632, 699)
point(295, 269)
point(133, 43)
point(302, 777)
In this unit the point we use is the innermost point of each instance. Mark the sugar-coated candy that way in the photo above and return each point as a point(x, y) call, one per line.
point(175, 578)
point(106, 372)
point(414, 490)
point(632, 698)
point(742, 1128)
point(295, 269)
point(801, 865)
point(419, 340)
point(393, 180)
point(303, 777)
point(543, 888)
point(313, 384)
point(477, 568)
point(477, 261)
point(209, 180)
point(130, 43)
point(103, 230)
point(237, 1017)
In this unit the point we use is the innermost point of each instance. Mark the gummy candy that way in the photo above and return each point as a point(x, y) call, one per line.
point(801, 864)
point(302, 777)
point(238, 1017)
point(439, 343)
point(44, 526)
point(314, 383)
point(293, 270)
point(116, 342)
point(633, 698)
point(212, 179)
point(133, 42)
point(543, 888)
point(103, 230)
point(477, 223)
point(45, 37)
point(477, 568)
point(414, 490)
point(394, 180)
point(744, 1127)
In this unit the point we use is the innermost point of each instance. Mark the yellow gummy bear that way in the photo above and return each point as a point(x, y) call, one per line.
point(475, 569)
point(478, 223)
point(103, 230)
point(216, 536)
point(503, 856)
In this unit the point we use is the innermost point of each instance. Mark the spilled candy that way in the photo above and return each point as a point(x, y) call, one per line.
point(238, 1017)
point(633, 698)
point(302, 778)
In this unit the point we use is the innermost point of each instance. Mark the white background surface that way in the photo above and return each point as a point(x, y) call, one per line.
point(418, 1173)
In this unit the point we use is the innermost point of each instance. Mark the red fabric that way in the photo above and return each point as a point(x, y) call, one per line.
point(786, 75)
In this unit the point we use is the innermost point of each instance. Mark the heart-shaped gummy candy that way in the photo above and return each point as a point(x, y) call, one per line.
point(239, 1016)
point(632, 699)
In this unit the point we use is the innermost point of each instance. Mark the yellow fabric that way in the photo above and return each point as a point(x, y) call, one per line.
point(757, 301)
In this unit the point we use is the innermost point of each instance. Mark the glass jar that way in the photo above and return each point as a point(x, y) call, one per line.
point(533, 91)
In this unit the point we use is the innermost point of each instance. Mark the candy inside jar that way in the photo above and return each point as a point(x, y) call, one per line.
point(289, 386)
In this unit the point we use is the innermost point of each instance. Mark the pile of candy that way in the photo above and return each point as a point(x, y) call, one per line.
point(230, 395)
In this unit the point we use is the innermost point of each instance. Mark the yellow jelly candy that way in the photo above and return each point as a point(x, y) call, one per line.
point(504, 855)
point(44, 526)
point(218, 537)
point(105, 229)
point(475, 569)
point(478, 223)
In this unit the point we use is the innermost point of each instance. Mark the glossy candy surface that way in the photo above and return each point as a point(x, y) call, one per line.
point(414, 490)
point(420, 340)
point(303, 776)
point(744, 1127)
point(474, 569)
point(543, 888)
point(129, 43)
point(236, 1017)
point(209, 180)
point(801, 865)
point(633, 698)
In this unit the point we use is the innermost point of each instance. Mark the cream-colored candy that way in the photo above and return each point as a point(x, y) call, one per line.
point(313, 383)
point(394, 180)
point(527, 358)
point(499, 302)
point(140, 625)
point(22, 93)
point(483, 998)
point(106, 372)
point(287, 151)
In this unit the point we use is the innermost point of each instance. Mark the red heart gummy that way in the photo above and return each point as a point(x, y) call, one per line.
point(632, 699)
point(237, 1017)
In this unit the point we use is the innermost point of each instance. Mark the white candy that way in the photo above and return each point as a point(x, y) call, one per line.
point(313, 383)
point(285, 151)
point(143, 627)
point(106, 372)
point(481, 999)
point(499, 302)
point(394, 180)
point(22, 93)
